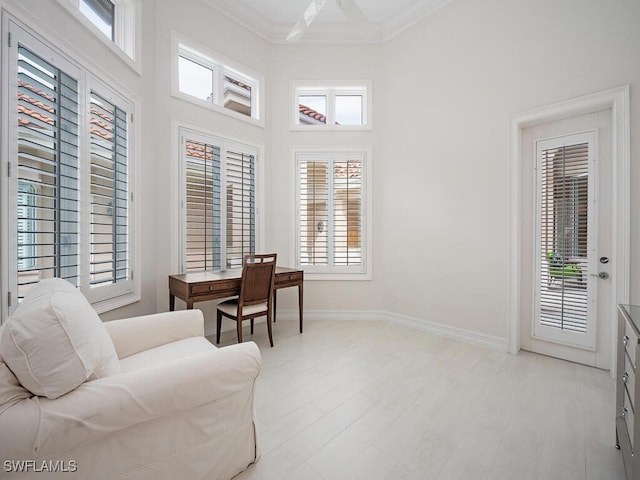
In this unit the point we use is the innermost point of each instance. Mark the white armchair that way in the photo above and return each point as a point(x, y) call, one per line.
point(179, 408)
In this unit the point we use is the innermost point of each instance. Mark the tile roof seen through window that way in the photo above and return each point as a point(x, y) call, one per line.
point(310, 116)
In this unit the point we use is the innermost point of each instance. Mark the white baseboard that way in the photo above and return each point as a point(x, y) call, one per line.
point(469, 336)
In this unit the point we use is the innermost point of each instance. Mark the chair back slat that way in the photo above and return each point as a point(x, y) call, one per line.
point(258, 273)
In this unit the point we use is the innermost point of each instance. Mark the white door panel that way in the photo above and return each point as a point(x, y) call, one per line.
point(567, 211)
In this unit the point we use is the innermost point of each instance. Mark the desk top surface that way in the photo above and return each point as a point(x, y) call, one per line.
point(196, 277)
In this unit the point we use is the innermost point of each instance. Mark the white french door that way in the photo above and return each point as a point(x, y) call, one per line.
point(566, 240)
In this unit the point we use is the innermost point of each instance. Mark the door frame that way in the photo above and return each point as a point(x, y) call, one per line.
point(616, 100)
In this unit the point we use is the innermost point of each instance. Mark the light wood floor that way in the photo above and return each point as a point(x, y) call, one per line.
point(374, 400)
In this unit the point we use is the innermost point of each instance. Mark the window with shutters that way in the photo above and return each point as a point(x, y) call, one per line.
point(207, 78)
point(67, 212)
point(332, 229)
point(109, 191)
point(219, 202)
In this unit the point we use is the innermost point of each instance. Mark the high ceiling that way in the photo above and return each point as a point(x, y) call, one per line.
point(274, 19)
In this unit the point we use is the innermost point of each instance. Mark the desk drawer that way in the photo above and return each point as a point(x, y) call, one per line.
point(209, 288)
point(293, 278)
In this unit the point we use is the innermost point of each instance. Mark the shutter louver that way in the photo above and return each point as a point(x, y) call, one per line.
point(563, 229)
point(202, 206)
point(109, 193)
point(347, 193)
point(47, 172)
point(241, 208)
point(314, 213)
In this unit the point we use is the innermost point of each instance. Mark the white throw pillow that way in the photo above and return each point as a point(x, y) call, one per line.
point(55, 340)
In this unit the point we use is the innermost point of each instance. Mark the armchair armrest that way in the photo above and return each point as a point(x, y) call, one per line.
point(110, 404)
point(135, 334)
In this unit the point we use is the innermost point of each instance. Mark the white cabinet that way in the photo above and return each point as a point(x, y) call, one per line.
point(627, 427)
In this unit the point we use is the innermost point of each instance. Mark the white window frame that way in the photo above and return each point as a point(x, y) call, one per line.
point(119, 295)
point(225, 143)
point(127, 24)
point(331, 89)
point(103, 297)
point(332, 272)
point(221, 66)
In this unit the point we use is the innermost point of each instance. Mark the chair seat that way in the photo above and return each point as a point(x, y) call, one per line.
point(230, 307)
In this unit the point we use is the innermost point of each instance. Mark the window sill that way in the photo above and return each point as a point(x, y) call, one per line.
point(258, 122)
point(104, 306)
point(330, 128)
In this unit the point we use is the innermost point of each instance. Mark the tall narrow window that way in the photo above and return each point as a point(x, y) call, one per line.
point(347, 209)
point(219, 212)
point(47, 172)
point(68, 151)
point(331, 227)
point(314, 214)
point(241, 207)
point(109, 193)
point(202, 206)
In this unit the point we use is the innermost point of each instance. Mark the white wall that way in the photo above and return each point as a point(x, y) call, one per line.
point(195, 21)
point(452, 82)
point(444, 91)
point(304, 62)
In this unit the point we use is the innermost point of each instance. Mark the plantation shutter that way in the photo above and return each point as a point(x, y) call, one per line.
point(240, 207)
point(109, 247)
point(202, 206)
point(330, 213)
point(47, 171)
point(314, 212)
point(347, 221)
point(563, 193)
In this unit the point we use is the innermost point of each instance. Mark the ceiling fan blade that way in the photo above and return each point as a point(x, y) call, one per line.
point(357, 17)
point(352, 11)
point(305, 20)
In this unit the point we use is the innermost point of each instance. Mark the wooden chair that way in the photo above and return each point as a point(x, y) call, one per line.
point(256, 295)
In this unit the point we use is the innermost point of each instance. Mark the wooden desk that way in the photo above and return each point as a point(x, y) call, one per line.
point(202, 286)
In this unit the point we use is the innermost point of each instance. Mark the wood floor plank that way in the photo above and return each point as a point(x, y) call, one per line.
point(375, 400)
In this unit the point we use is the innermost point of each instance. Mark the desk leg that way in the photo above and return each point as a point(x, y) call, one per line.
point(172, 302)
point(189, 304)
point(300, 304)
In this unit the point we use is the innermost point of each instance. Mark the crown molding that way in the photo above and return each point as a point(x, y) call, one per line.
point(326, 33)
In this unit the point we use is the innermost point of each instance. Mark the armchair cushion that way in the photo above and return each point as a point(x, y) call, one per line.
point(11, 392)
point(55, 341)
point(137, 334)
